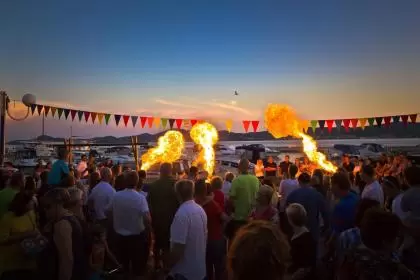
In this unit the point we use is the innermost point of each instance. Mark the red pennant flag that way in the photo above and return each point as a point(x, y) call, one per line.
point(413, 118)
point(46, 110)
point(143, 121)
point(354, 122)
point(73, 114)
point(178, 123)
point(39, 107)
point(246, 125)
point(255, 125)
point(87, 115)
point(404, 119)
point(126, 118)
point(193, 122)
point(346, 124)
point(330, 124)
point(150, 121)
point(93, 116)
point(387, 121)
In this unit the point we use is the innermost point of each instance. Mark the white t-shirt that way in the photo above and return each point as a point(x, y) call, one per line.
point(189, 227)
point(128, 208)
point(226, 188)
point(396, 207)
point(286, 187)
point(101, 195)
point(374, 191)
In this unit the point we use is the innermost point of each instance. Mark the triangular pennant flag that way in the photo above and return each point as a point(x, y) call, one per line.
point(134, 120)
point(87, 115)
point(107, 117)
point(338, 124)
point(143, 121)
point(255, 125)
point(46, 110)
point(363, 122)
point(117, 119)
point(156, 122)
point(346, 124)
point(229, 124)
point(53, 109)
point(39, 109)
point(246, 125)
point(125, 119)
point(314, 124)
point(33, 107)
point(80, 115)
point(354, 122)
point(404, 119)
point(66, 113)
point(193, 122)
point(100, 117)
point(150, 121)
point(413, 118)
point(330, 124)
point(396, 119)
point(371, 121)
point(387, 121)
point(73, 114)
point(93, 116)
point(171, 123)
point(321, 124)
point(178, 123)
point(164, 122)
point(305, 126)
point(379, 121)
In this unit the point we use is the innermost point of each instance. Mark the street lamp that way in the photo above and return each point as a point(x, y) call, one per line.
point(28, 100)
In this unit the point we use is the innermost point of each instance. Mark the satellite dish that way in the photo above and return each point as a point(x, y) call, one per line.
point(29, 99)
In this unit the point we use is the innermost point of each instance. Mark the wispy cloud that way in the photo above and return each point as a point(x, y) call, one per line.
point(175, 104)
point(232, 107)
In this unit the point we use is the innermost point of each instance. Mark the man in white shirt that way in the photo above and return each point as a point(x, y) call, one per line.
point(131, 222)
point(100, 199)
point(287, 186)
point(187, 258)
point(82, 167)
point(373, 190)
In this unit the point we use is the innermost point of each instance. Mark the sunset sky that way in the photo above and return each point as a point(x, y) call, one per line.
point(185, 59)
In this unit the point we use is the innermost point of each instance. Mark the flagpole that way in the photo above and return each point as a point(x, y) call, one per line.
point(3, 109)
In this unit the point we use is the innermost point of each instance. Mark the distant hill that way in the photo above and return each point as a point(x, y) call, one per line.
point(394, 131)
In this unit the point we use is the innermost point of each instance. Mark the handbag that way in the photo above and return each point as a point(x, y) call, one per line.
point(34, 245)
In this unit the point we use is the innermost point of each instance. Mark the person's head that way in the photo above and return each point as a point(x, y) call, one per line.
point(166, 169)
point(185, 190)
point(44, 177)
point(21, 203)
point(94, 179)
point(17, 181)
point(364, 205)
point(119, 183)
point(216, 183)
point(340, 184)
point(264, 195)
point(83, 158)
point(345, 159)
point(268, 182)
point(270, 159)
point(203, 174)
point(297, 161)
point(63, 154)
point(367, 174)
point(142, 174)
point(75, 203)
point(259, 162)
point(412, 176)
point(244, 166)
point(49, 165)
point(30, 185)
point(287, 158)
point(68, 181)
point(379, 230)
point(306, 160)
point(293, 170)
point(54, 202)
point(391, 186)
point(106, 174)
point(296, 215)
point(258, 251)
point(304, 180)
point(317, 177)
point(229, 176)
point(116, 169)
point(193, 172)
point(131, 179)
point(200, 189)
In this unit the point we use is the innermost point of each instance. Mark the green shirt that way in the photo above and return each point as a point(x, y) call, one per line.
point(6, 197)
point(243, 194)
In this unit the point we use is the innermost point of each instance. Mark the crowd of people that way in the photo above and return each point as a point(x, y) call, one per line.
point(286, 221)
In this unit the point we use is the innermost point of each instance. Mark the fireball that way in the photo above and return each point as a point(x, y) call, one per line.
point(205, 135)
point(169, 149)
point(281, 121)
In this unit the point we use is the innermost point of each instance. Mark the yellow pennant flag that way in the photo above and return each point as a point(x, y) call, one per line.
point(305, 126)
point(100, 117)
point(363, 123)
point(156, 121)
point(228, 124)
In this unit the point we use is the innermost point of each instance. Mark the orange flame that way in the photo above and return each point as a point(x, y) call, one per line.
point(281, 121)
point(169, 149)
point(205, 135)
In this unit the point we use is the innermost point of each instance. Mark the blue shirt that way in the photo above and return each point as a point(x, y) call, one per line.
point(59, 170)
point(344, 213)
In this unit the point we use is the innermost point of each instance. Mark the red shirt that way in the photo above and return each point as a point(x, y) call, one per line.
point(219, 197)
point(214, 220)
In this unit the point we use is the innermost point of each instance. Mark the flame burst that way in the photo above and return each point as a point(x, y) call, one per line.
point(169, 149)
point(281, 121)
point(205, 135)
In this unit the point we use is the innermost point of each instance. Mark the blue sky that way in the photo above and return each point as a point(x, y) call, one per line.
point(328, 59)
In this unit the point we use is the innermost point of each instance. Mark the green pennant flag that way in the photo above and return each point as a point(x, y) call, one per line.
point(60, 112)
point(314, 123)
point(107, 116)
point(371, 121)
point(164, 122)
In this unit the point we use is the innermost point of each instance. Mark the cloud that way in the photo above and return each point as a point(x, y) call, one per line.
point(232, 108)
point(175, 104)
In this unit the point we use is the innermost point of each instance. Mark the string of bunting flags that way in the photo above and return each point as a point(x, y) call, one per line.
point(159, 122)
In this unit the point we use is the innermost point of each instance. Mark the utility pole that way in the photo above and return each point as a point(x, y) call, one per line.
point(3, 110)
